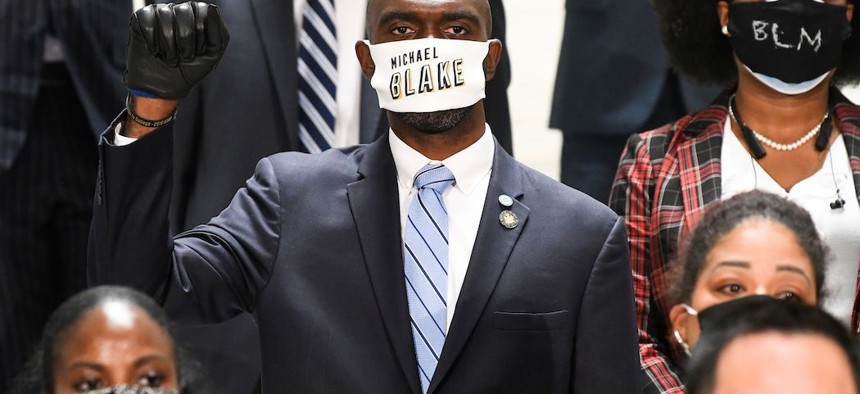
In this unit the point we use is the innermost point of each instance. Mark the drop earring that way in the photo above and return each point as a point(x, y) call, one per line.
point(725, 30)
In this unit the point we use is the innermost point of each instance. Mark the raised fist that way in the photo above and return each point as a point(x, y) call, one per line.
point(171, 47)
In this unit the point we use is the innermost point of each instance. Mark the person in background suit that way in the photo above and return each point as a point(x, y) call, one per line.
point(256, 88)
point(61, 66)
point(313, 246)
point(613, 80)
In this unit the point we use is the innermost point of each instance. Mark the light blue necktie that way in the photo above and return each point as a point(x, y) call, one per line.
point(317, 76)
point(425, 253)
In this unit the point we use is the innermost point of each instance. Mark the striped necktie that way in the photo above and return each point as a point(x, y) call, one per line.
point(426, 267)
point(317, 76)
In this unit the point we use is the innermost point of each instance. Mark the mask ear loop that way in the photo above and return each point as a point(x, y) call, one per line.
point(684, 346)
point(681, 342)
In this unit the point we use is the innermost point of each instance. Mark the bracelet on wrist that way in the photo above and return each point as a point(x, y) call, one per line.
point(146, 122)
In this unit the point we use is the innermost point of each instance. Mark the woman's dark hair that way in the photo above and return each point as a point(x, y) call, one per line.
point(724, 216)
point(696, 46)
point(744, 317)
point(38, 376)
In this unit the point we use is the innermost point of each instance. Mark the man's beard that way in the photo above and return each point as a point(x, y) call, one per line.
point(434, 122)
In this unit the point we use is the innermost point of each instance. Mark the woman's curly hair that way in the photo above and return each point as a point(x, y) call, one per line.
point(691, 34)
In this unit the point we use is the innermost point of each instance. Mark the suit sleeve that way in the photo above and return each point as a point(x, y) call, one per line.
point(210, 273)
point(631, 199)
point(606, 359)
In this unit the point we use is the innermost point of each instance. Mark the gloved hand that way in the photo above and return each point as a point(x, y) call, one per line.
point(172, 47)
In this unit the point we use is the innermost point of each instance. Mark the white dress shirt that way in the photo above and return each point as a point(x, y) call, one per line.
point(464, 200)
point(840, 228)
point(349, 21)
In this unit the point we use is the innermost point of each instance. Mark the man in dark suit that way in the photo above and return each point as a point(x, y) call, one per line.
point(255, 88)
point(613, 80)
point(61, 66)
point(313, 245)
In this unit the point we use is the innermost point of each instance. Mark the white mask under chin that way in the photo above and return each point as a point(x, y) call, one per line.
point(428, 74)
point(788, 88)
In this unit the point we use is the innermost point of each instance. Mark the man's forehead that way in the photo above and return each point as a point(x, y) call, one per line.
point(377, 8)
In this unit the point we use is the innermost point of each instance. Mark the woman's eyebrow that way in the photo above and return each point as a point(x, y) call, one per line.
point(145, 359)
point(727, 264)
point(794, 269)
point(87, 365)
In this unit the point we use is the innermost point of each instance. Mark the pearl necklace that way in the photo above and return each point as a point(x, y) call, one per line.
point(775, 145)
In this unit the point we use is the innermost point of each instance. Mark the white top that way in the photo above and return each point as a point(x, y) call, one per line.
point(464, 200)
point(349, 20)
point(840, 228)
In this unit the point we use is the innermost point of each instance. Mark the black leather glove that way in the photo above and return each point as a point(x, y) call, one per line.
point(171, 47)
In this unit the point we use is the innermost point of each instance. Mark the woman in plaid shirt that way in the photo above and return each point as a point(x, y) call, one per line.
point(781, 126)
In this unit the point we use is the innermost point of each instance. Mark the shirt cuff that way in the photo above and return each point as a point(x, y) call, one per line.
point(119, 139)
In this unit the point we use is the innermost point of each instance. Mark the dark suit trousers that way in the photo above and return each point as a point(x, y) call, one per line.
point(45, 211)
point(589, 158)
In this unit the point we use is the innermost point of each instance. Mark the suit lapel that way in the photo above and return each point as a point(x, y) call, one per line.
point(493, 246)
point(376, 210)
point(277, 31)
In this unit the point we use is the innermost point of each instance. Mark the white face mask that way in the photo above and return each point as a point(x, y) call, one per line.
point(428, 74)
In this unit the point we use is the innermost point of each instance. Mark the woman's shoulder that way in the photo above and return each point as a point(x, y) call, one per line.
point(697, 126)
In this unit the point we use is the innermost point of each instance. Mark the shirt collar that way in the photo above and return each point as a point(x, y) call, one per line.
point(469, 165)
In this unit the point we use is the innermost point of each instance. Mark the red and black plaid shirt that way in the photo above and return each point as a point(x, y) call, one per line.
point(666, 177)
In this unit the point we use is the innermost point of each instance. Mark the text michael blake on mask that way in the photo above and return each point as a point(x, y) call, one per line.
point(431, 77)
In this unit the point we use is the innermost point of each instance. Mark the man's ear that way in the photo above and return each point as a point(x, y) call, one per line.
point(362, 51)
point(850, 11)
point(492, 60)
point(678, 316)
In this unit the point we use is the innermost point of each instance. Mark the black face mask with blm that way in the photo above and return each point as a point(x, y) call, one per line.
point(792, 40)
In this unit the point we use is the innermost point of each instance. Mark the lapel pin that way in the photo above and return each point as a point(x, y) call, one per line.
point(508, 219)
point(506, 200)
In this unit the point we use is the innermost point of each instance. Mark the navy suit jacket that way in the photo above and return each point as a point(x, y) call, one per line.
point(612, 69)
point(93, 35)
point(312, 247)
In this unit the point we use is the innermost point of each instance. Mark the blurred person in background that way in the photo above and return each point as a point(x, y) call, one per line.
point(109, 340)
point(61, 64)
point(765, 346)
point(781, 126)
point(613, 79)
